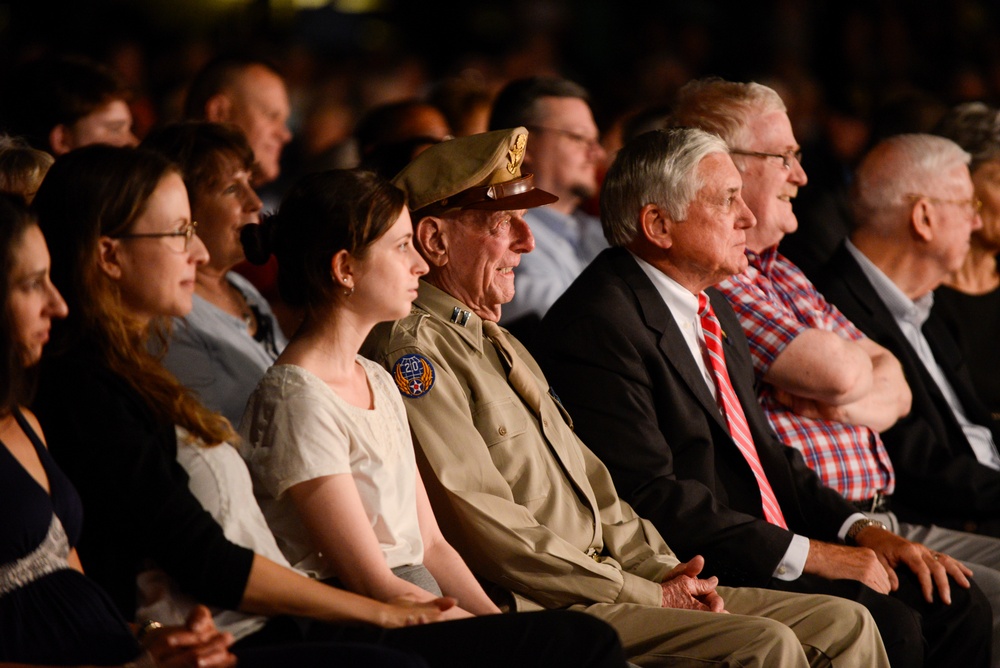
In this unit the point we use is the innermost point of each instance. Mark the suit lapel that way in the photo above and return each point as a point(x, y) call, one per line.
point(671, 343)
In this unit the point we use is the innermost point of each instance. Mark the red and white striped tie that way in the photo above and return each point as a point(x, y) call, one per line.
point(733, 411)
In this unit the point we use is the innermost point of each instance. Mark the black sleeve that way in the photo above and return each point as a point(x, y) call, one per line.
point(137, 505)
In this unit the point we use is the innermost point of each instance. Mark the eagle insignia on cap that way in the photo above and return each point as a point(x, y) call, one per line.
point(414, 375)
point(516, 153)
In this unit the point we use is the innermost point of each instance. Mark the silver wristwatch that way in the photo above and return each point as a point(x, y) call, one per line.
point(860, 526)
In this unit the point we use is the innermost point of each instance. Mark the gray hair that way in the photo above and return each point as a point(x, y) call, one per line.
point(897, 167)
point(658, 167)
point(724, 107)
point(976, 128)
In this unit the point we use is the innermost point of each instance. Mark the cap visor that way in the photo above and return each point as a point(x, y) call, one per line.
point(526, 200)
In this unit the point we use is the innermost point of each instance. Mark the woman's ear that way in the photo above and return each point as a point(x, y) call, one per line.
point(109, 257)
point(342, 269)
point(431, 235)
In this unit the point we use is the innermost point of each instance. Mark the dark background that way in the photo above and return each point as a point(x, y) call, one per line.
point(845, 68)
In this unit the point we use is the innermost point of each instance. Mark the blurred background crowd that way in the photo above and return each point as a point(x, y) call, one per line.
point(850, 72)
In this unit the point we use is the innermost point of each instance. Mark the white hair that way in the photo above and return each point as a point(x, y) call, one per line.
point(658, 167)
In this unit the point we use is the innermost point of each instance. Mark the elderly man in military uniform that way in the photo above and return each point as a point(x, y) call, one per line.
point(526, 503)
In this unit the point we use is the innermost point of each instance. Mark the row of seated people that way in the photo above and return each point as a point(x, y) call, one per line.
point(499, 524)
point(134, 444)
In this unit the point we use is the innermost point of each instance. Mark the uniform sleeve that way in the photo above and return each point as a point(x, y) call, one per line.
point(631, 540)
point(499, 538)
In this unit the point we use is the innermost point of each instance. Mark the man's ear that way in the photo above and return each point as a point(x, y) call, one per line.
point(61, 139)
point(656, 226)
point(109, 257)
point(219, 108)
point(432, 240)
point(923, 220)
point(342, 267)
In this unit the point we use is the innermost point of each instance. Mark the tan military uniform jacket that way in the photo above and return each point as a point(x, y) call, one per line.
point(522, 499)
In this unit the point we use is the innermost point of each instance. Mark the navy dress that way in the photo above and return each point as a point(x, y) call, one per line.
point(49, 612)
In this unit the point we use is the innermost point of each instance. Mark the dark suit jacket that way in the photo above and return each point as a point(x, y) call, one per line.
point(938, 479)
point(617, 359)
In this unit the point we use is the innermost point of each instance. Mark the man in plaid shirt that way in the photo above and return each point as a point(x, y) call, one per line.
point(777, 304)
point(826, 388)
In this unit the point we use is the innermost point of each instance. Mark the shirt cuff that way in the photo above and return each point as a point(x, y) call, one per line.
point(845, 527)
point(794, 562)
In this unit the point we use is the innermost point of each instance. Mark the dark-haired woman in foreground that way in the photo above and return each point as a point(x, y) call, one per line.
point(49, 611)
point(325, 432)
point(125, 258)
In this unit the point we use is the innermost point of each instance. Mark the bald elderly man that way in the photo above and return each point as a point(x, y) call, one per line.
point(914, 210)
point(524, 501)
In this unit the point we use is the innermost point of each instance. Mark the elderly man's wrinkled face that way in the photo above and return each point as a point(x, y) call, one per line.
point(768, 186)
point(483, 247)
point(709, 244)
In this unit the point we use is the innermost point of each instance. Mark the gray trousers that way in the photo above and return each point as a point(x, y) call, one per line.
point(980, 553)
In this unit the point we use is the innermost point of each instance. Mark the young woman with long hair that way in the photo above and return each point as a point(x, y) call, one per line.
point(222, 348)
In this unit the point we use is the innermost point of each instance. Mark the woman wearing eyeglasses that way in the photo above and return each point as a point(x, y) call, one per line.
point(222, 348)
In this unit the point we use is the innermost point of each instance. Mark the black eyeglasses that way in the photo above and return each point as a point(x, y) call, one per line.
point(590, 144)
point(786, 157)
point(186, 232)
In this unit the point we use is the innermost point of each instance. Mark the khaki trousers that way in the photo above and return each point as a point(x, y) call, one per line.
point(765, 628)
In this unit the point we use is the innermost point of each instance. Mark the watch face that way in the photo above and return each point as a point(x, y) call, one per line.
point(860, 526)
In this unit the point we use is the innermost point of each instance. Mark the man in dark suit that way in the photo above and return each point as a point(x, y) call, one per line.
point(914, 210)
point(662, 390)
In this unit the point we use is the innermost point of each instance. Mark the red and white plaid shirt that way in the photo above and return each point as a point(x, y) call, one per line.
point(775, 302)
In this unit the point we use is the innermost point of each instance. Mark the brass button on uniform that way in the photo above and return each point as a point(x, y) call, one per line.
point(502, 430)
